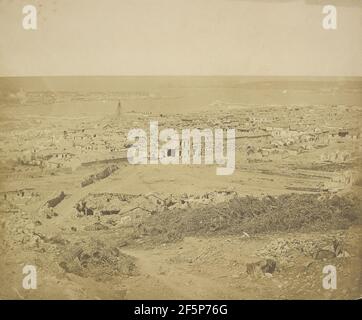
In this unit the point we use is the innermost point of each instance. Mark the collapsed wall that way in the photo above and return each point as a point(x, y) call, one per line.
point(118, 203)
point(99, 176)
point(161, 220)
point(56, 200)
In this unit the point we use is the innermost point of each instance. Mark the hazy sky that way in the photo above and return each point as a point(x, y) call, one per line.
point(180, 37)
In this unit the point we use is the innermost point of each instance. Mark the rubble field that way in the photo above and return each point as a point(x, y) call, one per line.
point(99, 227)
point(118, 236)
point(251, 215)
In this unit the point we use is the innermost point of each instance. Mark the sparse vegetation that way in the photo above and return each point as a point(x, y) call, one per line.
point(289, 212)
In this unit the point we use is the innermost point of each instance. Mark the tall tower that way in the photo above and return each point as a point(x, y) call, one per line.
point(119, 110)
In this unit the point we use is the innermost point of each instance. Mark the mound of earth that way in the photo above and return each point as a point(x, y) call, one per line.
point(96, 259)
point(290, 212)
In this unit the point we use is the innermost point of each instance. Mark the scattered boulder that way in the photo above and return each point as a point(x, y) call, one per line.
point(262, 267)
point(50, 213)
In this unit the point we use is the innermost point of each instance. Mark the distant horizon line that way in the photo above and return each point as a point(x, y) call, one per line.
point(180, 76)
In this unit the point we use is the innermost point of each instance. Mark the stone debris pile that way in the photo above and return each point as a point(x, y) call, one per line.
point(99, 176)
point(285, 249)
point(56, 200)
point(119, 203)
point(97, 259)
point(264, 267)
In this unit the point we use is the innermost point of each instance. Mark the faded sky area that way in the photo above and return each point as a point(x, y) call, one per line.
point(181, 37)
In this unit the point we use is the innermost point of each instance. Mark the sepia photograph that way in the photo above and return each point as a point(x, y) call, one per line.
point(180, 150)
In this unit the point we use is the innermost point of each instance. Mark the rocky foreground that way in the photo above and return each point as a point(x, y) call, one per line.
point(216, 246)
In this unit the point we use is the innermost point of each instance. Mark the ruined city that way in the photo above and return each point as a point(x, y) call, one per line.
point(99, 226)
